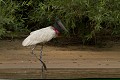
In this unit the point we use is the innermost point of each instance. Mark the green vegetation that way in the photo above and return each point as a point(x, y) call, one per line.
point(85, 19)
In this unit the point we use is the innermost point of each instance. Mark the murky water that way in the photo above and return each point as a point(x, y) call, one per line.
point(72, 73)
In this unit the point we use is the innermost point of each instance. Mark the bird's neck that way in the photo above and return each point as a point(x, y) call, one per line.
point(56, 31)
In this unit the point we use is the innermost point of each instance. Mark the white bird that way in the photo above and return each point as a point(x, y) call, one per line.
point(44, 35)
point(40, 36)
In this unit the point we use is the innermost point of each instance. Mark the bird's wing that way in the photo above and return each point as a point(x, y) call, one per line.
point(39, 36)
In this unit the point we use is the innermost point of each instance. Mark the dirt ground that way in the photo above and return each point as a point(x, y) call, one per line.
point(14, 55)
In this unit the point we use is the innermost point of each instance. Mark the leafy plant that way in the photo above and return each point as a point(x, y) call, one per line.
point(84, 19)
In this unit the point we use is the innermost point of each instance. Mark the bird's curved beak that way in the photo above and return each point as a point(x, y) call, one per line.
point(62, 26)
point(59, 26)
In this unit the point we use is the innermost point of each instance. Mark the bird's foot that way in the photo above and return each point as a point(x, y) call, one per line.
point(43, 64)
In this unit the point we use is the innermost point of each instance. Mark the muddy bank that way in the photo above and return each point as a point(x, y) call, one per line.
point(84, 59)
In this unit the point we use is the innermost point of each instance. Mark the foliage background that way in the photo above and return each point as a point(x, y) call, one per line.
point(87, 20)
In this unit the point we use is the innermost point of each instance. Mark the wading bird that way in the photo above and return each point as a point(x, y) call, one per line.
point(42, 36)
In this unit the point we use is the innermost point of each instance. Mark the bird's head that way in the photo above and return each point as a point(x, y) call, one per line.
point(59, 26)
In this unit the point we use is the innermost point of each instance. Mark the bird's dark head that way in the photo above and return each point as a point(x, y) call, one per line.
point(59, 26)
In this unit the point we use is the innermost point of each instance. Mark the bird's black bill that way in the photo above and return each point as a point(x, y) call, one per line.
point(62, 26)
point(59, 26)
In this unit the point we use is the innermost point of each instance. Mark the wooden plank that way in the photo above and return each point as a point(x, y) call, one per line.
point(59, 73)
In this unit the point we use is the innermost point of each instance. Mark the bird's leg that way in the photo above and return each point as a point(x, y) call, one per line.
point(40, 59)
point(32, 52)
point(43, 64)
point(33, 49)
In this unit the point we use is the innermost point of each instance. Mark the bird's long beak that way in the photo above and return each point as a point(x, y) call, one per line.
point(62, 26)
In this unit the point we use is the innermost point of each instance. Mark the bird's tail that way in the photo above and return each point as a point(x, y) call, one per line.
point(26, 42)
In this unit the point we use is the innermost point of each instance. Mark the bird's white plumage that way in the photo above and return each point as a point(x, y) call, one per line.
point(39, 36)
